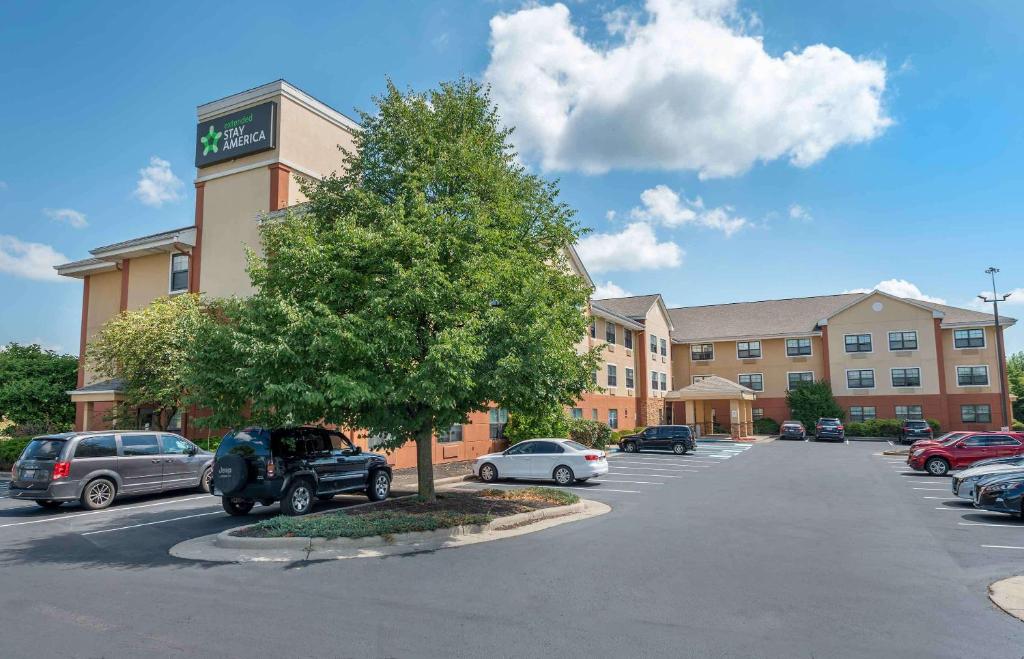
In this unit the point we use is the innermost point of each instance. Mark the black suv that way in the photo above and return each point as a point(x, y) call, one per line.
point(294, 465)
point(912, 430)
point(829, 428)
point(678, 438)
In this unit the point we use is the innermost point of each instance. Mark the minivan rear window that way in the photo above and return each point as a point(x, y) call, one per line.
point(43, 448)
point(250, 442)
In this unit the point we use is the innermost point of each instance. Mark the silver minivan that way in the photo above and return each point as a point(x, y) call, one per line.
point(95, 467)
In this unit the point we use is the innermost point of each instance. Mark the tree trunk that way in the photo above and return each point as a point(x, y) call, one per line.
point(425, 463)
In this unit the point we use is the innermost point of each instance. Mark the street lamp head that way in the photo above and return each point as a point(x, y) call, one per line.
point(991, 270)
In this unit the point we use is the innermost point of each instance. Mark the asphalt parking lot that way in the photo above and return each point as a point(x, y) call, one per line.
point(787, 549)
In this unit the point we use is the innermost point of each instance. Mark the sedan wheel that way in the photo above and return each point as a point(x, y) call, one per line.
point(488, 473)
point(564, 475)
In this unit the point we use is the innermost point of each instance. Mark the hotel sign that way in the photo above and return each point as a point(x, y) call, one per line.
point(235, 135)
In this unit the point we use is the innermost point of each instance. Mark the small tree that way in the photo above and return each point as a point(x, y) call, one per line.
point(588, 432)
point(34, 385)
point(1015, 374)
point(150, 350)
point(428, 281)
point(530, 425)
point(810, 401)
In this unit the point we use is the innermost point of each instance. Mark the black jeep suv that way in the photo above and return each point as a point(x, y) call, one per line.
point(294, 465)
point(678, 438)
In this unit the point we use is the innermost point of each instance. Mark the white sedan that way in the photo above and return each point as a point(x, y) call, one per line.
point(561, 460)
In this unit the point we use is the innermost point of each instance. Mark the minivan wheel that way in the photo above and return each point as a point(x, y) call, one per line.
point(937, 466)
point(564, 476)
point(630, 447)
point(206, 482)
point(98, 494)
point(488, 473)
point(679, 448)
point(380, 486)
point(237, 507)
point(298, 500)
point(49, 504)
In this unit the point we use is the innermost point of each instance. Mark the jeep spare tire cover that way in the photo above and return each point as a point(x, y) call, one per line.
point(229, 474)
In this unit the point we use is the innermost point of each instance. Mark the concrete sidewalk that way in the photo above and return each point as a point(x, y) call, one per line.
point(1008, 595)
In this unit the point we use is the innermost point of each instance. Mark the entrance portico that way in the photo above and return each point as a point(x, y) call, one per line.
point(696, 401)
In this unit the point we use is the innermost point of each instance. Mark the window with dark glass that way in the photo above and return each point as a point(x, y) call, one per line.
point(969, 338)
point(859, 413)
point(577, 412)
point(798, 347)
point(663, 344)
point(797, 379)
point(748, 349)
point(97, 446)
point(702, 352)
point(179, 273)
point(613, 375)
point(757, 413)
point(654, 381)
point(858, 342)
point(453, 434)
point(664, 381)
point(593, 329)
point(976, 413)
point(497, 417)
point(133, 445)
point(909, 412)
point(903, 340)
point(906, 377)
point(860, 378)
point(609, 332)
point(627, 337)
point(972, 376)
point(613, 419)
point(175, 445)
point(654, 344)
point(629, 378)
point(753, 381)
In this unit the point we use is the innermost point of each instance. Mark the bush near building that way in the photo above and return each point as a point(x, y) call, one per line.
point(766, 426)
point(33, 389)
point(883, 428)
point(812, 401)
point(590, 433)
point(531, 425)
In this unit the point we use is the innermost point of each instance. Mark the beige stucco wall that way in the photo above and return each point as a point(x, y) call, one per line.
point(309, 140)
point(657, 324)
point(986, 356)
point(863, 318)
point(616, 354)
point(774, 365)
point(231, 206)
point(148, 279)
point(104, 304)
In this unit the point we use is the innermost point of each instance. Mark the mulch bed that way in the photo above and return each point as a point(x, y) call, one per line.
point(459, 503)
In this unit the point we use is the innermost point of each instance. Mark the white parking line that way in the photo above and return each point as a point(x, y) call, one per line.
point(606, 480)
point(951, 498)
point(956, 509)
point(60, 518)
point(163, 521)
point(608, 489)
point(1001, 547)
point(932, 489)
point(624, 462)
point(621, 473)
point(1012, 526)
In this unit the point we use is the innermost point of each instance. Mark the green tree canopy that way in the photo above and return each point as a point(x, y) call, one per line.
point(1015, 374)
point(428, 281)
point(810, 401)
point(34, 385)
point(150, 349)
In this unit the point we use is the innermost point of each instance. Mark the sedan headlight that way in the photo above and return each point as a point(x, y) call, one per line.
point(1005, 485)
point(917, 452)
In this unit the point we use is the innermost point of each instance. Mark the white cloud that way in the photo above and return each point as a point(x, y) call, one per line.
point(157, 183)
point(610, 215)
point(663, 205)
point(634, 248)
point(29, 260)
point(609, 289)
point(899, 288)
point(69, 216)
point(683, 87)
point(798, 212)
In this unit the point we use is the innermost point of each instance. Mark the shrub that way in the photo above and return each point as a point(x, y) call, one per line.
point(10, 450)
point(766, 426)
point(590, 433)
point(340, 525)
point(811, 401)
point(530, 425)
point(935, 425)
point(619, 434)
point(1018, 425)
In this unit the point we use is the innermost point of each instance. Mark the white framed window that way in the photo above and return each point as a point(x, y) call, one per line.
point(857, 342)
point(663, 346)
point(976, 413)
point(906, 377)
point(972, 376)
point(609, 332)
point(497, 418)
point(702, 352)
point(627, 338)
point(593, 329)
point(629, 378)
point(909, 413)
point(860, 378)
point(796, 378)
point(859, 413)
point(748, 350)
point(654, 380)
point(969, 338)
point(798, 347)
point(654, 344)
point(613, 419)
point(902, 340)
point(753, 381)
point(613, 376)
point(577, 413)
point(756, 413)
point(178, 279)
point(663, 379)
point(452, 435)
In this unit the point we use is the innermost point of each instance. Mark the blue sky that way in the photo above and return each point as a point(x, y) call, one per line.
point(745, 151)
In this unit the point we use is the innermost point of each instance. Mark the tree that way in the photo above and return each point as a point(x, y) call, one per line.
point(1015, 374)
point(34, 385)
point(428, 281)
point(150, 350)
point(523, 425)
point(811, 401)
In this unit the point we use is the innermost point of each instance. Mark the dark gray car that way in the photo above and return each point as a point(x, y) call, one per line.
point(95, 467)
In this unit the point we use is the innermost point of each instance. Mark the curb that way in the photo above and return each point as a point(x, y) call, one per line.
point(1008, 595)
point(225, 539)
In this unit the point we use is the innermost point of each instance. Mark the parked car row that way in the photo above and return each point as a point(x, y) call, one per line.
point(987, 467)
point(825, 429)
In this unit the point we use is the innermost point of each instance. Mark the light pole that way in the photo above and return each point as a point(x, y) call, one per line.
point(995, 300)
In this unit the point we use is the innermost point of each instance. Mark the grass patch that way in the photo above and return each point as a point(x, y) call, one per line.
point(544, 494)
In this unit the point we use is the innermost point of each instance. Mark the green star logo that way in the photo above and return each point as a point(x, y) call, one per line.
point(210, 141)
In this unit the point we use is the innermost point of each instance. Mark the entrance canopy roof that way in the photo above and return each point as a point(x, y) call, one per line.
point(712, 388)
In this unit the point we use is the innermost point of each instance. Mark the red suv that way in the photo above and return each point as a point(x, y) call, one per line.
point(940, 459)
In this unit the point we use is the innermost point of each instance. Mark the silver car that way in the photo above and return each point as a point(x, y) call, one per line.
point(967, 481)
point(95, 467)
